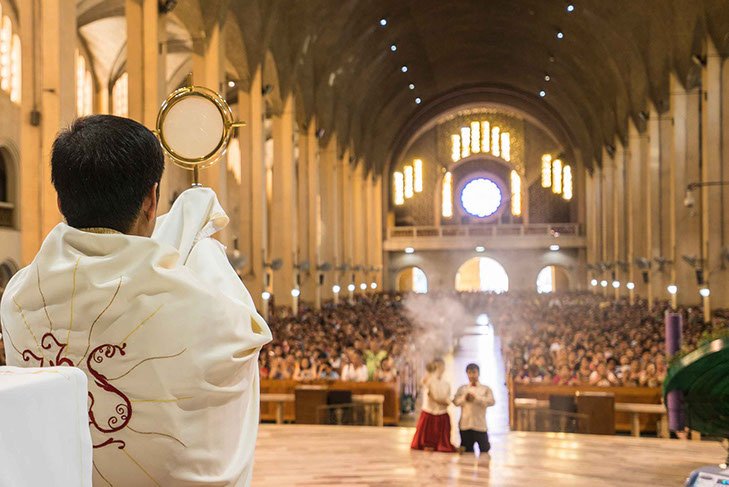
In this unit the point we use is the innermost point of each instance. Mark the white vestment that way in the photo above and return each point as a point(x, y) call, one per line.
point(167, 335)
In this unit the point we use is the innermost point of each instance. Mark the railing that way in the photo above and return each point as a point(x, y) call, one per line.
point(527, 230)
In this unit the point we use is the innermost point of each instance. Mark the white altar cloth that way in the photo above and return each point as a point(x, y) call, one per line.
point(44, 427)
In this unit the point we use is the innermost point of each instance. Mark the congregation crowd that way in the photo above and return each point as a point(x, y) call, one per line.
point(369, 339)
point(560, 339)
point(587, 339)
point(564, 339)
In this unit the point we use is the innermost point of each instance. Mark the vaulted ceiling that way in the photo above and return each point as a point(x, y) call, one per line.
point(612, 62)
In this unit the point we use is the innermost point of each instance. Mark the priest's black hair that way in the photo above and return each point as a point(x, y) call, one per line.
point(473, 367)
point(102, 167)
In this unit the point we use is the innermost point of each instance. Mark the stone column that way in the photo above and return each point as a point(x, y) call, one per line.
point(330, 225)
point(253, 222)
point(146, 69)
point(608, 219)
point(47, 82)
point(345, 217)
point(378, 223)
point(283, 224)
point(639, 207)
point(308, 213)
point(722, 300)
point(620, 223)
point(715, 274)
point(359, 222)
point(208, 70)
point(684, 109)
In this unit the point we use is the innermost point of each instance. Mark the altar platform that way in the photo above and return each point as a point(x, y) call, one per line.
point(299, 455)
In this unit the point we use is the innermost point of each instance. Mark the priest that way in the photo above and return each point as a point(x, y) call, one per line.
point(148, 308)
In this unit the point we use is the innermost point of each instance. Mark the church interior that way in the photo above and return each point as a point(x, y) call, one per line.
point(537, 187)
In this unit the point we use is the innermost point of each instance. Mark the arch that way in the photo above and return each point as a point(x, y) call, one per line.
point(553, 279)
point(8, 268)
point(411, 279)
point(8, 186)
point(482, 274)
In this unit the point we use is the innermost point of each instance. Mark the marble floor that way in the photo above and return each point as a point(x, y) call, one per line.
point(327, 456)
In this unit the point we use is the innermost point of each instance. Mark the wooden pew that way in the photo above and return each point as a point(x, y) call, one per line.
point(625, 420)
point(389, 390)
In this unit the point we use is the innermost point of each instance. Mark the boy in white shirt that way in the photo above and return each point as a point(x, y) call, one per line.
point(474, 398)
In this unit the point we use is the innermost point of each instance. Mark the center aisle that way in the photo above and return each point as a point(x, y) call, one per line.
point(479, 345)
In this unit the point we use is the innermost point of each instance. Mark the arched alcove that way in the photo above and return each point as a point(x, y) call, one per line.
point(553, 279)
point(482, 274)
point(412, 279)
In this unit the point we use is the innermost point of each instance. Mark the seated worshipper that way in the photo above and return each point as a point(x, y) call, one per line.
point(356, 370)
point(327, 372)
point(387, 371)
point(373, 358)
point(474, 398)
point(149, 308)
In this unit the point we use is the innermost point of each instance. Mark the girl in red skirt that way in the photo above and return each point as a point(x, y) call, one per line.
point(433, 432)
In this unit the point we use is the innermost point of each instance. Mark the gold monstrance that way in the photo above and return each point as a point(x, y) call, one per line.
point(194, 126)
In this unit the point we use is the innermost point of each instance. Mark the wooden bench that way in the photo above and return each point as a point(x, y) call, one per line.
point(390, 391)
point(636, 409)
point(373, 404)
point(280, 401)
point(624, 420)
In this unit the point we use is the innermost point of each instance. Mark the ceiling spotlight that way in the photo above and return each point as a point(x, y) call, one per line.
point(231, 84)
point(560, 35)
point(593, 282)
point(411, 86)
point(336, 288)
point(542, 93)
point(393, 47)
point(547, 77)
point(554, 247)
point(630, 286)
point(383, 22)
point(480, 249)
point(373, 285)
point(363, 286)
point(704, 292)
point(603, 283)
point(570, 8)
point(409, 250)
point(351, 288)
point(616, 284)
point(266, 295)
point(404, 69)
point(295, 293)
point(418, 100)
point(672, 289)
